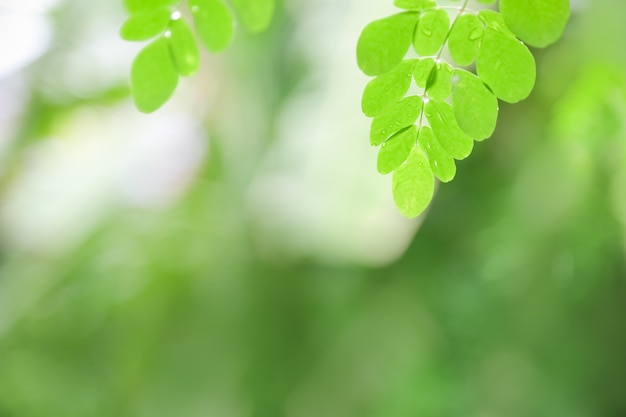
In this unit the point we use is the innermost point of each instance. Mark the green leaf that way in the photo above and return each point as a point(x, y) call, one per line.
point(183, 47)
point(506, 66)
point(383, 43)
point(400, 115)
point(537, 22)
point(387, 89)
point(442, 121)
point(214, 23)
point(256, 15)
point(394, 151)
point(495, 21)
point(413, 184)
point(465, 37)
point(417, 5)
point(475, 106)
point(153, 76)
point(142, 6)
point(432, 29)
point(441, 163)
point(146, 25)
point(439, 84)
point(423, 71)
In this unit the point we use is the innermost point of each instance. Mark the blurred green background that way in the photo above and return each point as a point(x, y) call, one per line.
point(236, 254)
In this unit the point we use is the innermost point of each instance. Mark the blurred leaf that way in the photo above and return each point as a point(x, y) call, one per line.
point(184, 48)
point(214, 23)
point(146, 25)
point(142, 6)
point(153, 76)
point(256, 15)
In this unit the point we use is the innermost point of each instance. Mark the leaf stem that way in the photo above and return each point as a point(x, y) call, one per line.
point(438, 57)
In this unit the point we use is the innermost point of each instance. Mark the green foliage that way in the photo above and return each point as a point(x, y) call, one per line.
point(174, 49)
point(454, 107)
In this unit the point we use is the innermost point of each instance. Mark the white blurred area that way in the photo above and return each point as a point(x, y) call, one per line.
point(318, 192)
point(99, 158)
point(314, 192)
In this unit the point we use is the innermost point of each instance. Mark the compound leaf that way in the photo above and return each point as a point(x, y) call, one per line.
point(153, 76)
point(431, 32)
point(506, 65)
point(452, 138)
point(465, 37)
point(475, 106)
point(413, 184)
point(537, 22)
point(387, 89)
point(214, 23)
point(441, 163)
point(400, 115)
point(383, 43)
point(396, 149)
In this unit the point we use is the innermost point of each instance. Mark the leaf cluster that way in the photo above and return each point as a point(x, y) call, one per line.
point(173, 50)
point(421, 136)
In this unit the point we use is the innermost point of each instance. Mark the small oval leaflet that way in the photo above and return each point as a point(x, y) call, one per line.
point(394, 151)
point(417, 5)
point(400, 115)
point(141, 6)
point(475, 107)
point(256, 15)
point(537, 22)
point(214, 23)
point(146, 25)
point(506, 65)
point(413, 184)
point(383, 43)
point(153, 76)
point(431, 32)
point(442, 121)
point(423, 70)
point(439, 84)
point(465, 38)
point(386, 89)
point(184, 49)
point(441, 162)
